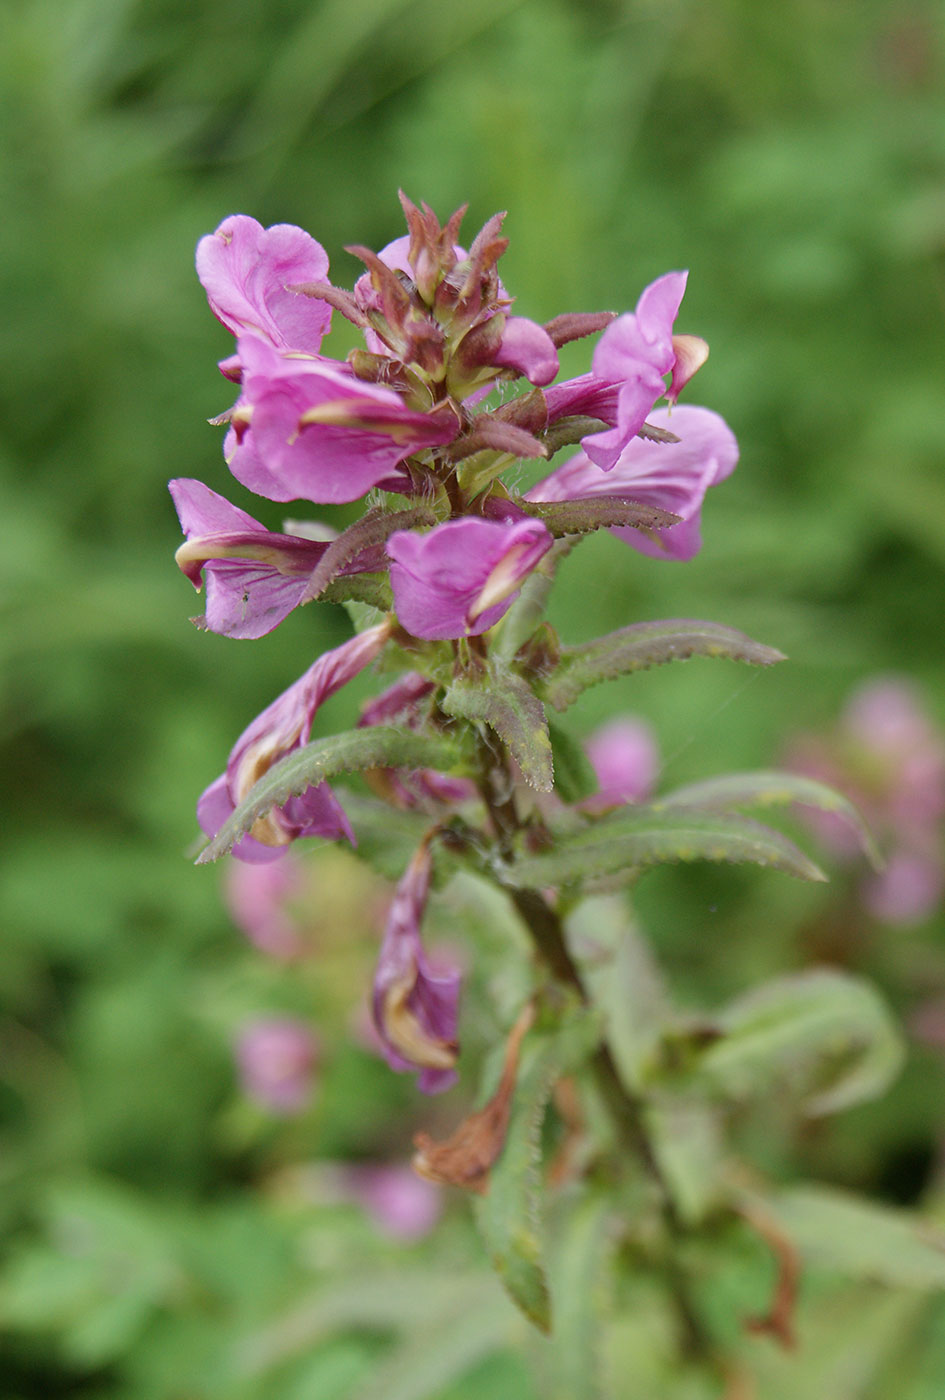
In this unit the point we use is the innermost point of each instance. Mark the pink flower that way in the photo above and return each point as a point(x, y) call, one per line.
point(889, 759)
point(308, 429)
point(256, 896)
point(459, 578)
point(284, 726)
point(626, 760)
point(527, 348)
point(247, 270)
point(254, 577)
point(276, 1059)
point(415, 1008)
point(671, 475)
point(404, 1205)
point(632, 357)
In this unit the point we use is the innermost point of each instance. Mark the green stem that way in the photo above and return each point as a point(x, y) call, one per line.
point(626, 1108)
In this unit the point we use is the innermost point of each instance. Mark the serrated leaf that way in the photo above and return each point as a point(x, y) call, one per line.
point(856, 1237)
point(509, 706)
point(367, 536)
point(377, 746)
point(575, 778)
point(370, 590)
point(772, 788)
point(823, 1034)
point(509, 1215)
point(623, 843)
point(580, 517)
point(645, 644)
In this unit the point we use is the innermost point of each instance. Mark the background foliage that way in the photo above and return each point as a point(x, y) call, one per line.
point(164, 1237)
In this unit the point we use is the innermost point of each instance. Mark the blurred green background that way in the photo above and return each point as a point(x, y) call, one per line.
point(793, 157)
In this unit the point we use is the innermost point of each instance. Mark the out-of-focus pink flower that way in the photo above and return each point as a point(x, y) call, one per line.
point(888, 758)
point(307, 429)
point(402, 1203)
point(625, 758)
point(283, 726)
point(256, 896)
point(415, 1008)
point(673, 476)
point(254, 577)
point(276, 1058)
point(459, 578)
point(247, 270)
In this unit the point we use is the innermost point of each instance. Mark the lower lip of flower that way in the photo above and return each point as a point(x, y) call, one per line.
point(503, 580)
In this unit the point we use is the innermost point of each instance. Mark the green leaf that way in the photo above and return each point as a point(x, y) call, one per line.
point(388, 836)
point(507, 704)
point(824, 1035)
point(575, 778)
point(371, 531)
point(371, 590)
point(847, 1338)
point(508, 1217)
point(622, 979)
point(852, 1236)
point(376, 746)
point(405, 1299)
point(362, 614)
point(436, 1355)
point(582, 1291)
point(623, 843)
point(771, 788)
point(642, 645)
point(596, 513)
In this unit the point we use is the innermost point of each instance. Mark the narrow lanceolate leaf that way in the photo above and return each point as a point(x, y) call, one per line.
point(367, 537)
point(858, 1238)
point(380, 746)
point(583, 1288)
point(823, 1036)
point(646, 644)
point(509, 1215)
point(626, 842)
point(581, 517)
point(773, 789)
point(508, 706)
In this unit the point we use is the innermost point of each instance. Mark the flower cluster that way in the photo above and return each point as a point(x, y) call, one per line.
point(422, 423)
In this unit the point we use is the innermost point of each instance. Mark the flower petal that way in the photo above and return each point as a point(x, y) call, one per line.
point(246, 271)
